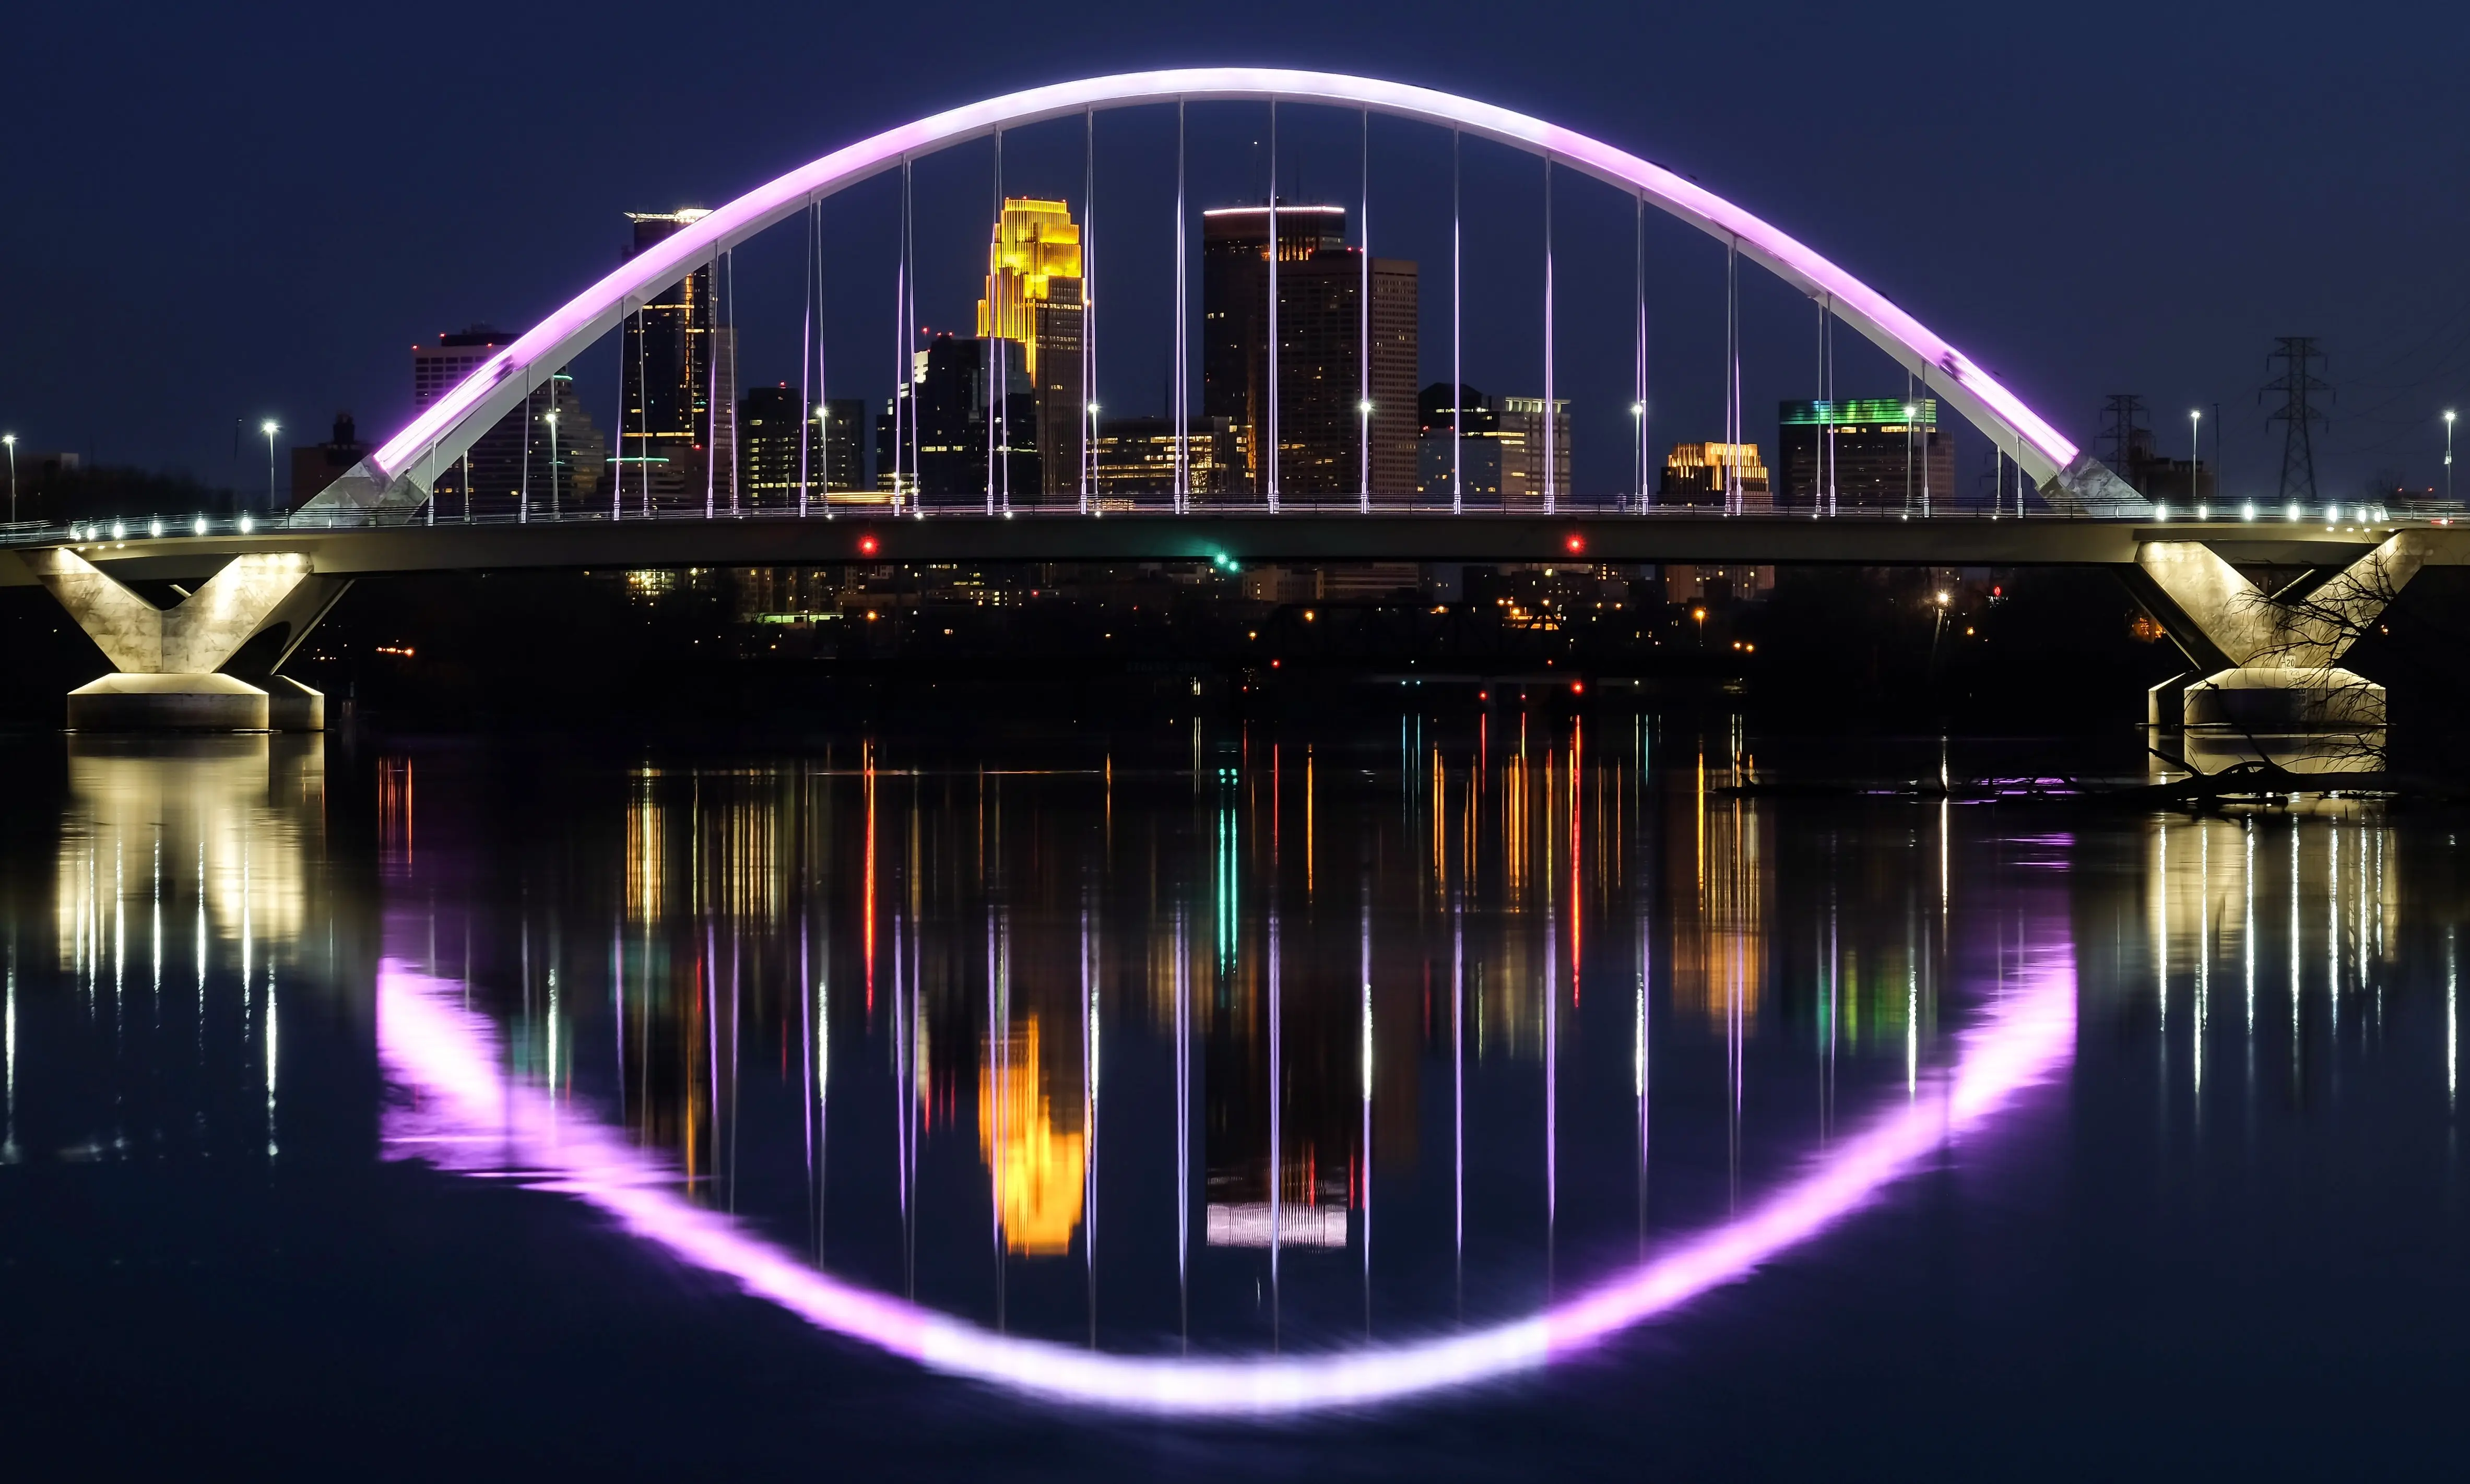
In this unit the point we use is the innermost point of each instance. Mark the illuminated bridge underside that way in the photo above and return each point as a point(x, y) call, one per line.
point(1249, 539)
point(398, 477)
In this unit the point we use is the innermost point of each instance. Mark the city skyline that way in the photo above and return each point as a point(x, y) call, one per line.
point(2079, 351)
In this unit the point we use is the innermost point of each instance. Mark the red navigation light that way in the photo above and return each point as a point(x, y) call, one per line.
point(866, 546)
point(1577, 687)
point(1576, 543)
point(1274, 664)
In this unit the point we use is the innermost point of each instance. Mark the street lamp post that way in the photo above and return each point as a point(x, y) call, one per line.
point(2448, 470)
point(11, 439)
point(2195, 486)
point(550, 417)
point(270, 428)
point(1638, 454)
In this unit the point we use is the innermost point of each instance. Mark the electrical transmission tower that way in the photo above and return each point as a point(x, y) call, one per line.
point(2122, 419)
point(2298, 382)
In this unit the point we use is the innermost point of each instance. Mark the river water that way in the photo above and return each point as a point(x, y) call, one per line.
point(1403, 1098)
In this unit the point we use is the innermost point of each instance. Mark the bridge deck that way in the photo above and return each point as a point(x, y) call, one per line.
point(1247, 539)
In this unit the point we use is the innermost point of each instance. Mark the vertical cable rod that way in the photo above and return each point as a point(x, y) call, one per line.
point(1638, 401)
point(711, 381)
point(806, 365)
point(1457, 380)
point(917, 491)
point(1182, 476)
point(736, 434)
point(998, 357)
point(1550, 422)
point(1732, 374)
point(523, 486)
point(1364, 329)
point(1087, 458)
point(1271, 472)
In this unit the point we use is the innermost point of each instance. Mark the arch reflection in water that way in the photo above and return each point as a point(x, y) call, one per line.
point(1327, 1032)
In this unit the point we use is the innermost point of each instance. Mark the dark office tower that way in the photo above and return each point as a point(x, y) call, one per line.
point(950, 394)
point(1883, 454)
point(1234, 276)
point(1321, 332)
point(1441, 455)
point(840, 449)
point(1032, 299)
point(665, 378)
point(768, 449)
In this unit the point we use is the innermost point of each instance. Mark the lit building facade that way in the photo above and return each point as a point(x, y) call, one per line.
point(1528, 431)
point(1136, 458)
point(1702, 473)
point(1872, 454)
point(1032, 301)
point(769, 425)
point(674, 366)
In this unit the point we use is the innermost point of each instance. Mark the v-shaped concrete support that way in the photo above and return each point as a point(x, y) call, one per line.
point(199, 635)
point(2224, 621)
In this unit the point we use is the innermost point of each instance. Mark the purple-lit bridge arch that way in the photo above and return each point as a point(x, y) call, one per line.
point(397, 477)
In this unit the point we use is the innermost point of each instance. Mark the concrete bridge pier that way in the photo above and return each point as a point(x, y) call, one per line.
point(206, 664)
point(2267, 682)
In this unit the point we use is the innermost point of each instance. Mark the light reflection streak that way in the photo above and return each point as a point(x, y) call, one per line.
point(463, 1116)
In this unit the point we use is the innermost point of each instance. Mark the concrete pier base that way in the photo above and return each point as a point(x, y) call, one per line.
point(292, 707)
point(2328, 720)
point(168, 703)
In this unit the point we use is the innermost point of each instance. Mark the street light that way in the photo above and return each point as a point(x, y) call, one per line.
point(11, 439)
point(2448, 470)
point(270, 428)
point(550, 417)
point(2195, 486)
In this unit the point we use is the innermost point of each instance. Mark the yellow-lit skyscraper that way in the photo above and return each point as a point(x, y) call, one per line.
point(1034, 300)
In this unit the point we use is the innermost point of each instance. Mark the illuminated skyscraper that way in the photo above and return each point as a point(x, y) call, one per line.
point(1033, 300)
point(1321, 333)
point(769, 425)
point(1703, 474)
point(1524, 429)
point(666, 372)
point(1875, 454)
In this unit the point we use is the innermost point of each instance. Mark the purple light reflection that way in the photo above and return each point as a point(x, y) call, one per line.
point(464, 1116)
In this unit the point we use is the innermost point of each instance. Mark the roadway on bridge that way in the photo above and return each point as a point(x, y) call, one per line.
point(1245, 538)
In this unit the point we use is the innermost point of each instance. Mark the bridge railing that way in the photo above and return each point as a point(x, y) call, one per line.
point(32, 533)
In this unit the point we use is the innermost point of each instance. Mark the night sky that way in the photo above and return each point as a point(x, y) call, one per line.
point(218, 213)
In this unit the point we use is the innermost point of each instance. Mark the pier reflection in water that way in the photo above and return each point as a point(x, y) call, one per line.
point(1256, 1045)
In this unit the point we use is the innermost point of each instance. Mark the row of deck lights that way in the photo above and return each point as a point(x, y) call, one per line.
point(2289, 512)
point(118, 531)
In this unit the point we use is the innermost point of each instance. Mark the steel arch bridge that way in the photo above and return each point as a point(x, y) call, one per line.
point(396, 480)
